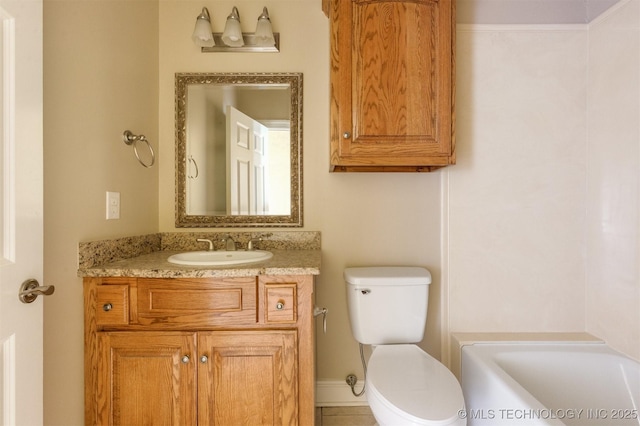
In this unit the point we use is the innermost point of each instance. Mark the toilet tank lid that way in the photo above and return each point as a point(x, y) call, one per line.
point(387, 275)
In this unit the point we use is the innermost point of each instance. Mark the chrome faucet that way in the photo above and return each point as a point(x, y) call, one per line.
point(230, 244)
point(204, 240)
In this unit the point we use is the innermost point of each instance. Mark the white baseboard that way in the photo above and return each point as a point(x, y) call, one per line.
point(336, 393)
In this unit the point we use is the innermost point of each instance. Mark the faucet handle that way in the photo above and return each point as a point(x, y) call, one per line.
point(252, 241)
point(204, 240)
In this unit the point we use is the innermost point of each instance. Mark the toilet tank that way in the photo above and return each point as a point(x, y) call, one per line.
point(387, 304)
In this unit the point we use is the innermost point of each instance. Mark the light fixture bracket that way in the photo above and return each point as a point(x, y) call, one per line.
point(250, 44)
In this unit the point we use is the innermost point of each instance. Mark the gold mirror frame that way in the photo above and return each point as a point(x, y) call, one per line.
point(294, 219)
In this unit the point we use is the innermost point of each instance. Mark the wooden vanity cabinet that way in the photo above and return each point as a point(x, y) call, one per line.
point(392, 84)
point(228, 351)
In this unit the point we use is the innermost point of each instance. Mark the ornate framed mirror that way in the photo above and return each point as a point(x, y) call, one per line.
point(238, 150)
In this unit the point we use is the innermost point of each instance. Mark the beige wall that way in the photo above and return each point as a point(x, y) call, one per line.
point(364, 219)
point(100, 78)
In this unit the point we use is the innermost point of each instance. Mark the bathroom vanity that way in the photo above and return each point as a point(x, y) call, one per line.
point(168, 344)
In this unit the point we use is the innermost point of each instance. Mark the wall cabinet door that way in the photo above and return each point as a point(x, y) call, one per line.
point(392, 86)
point(146, 378)
point(248, 377)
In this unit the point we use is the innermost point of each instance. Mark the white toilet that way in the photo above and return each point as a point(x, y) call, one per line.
point(404, 384)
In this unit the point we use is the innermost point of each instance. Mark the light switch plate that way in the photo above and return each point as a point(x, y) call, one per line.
point(113, 205)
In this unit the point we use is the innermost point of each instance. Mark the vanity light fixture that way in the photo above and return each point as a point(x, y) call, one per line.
point(202, 34)
point(233, 39)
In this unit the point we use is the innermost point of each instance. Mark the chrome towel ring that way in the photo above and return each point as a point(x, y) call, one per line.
point(131, 139)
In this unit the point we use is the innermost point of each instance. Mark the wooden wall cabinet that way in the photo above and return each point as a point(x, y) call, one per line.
point(225, 351)
point(392, 84)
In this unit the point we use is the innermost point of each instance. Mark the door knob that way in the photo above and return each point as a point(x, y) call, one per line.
point(31, 289)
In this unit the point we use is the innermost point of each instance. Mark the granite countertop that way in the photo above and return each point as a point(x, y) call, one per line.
point(155, 265)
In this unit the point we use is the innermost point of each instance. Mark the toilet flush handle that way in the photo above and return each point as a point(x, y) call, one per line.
point(364, 291)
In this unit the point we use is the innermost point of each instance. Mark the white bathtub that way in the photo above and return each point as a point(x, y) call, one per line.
point(549, 384)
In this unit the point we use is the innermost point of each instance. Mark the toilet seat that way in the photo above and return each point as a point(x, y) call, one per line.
point(414, 385)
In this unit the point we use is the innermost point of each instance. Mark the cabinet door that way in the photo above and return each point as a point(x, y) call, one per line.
point(248, 378)
point(391, 83)
point(145, 379)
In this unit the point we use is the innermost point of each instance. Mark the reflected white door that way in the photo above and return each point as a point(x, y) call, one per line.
point(20, 210)
point(247, 142)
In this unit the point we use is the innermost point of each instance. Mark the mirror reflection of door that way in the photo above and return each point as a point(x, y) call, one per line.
point(247, 160)
point(205, 157)
point(207, 173)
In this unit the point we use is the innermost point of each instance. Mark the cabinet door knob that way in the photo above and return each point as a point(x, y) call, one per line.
point(204, 359)
point(280, 305)
point(185, 359)
point(107, 307)
point(346, 135)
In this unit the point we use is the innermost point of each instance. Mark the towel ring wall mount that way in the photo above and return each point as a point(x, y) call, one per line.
point(131, 139)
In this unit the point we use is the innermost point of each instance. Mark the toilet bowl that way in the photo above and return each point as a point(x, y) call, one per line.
point(407, 386)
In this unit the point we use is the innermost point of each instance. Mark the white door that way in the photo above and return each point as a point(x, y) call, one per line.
point(20, 210)
point(247, 142)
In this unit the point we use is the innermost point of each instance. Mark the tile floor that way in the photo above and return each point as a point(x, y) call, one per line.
point(344, 416)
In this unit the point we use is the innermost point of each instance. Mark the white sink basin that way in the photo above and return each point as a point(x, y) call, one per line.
point(219, 258)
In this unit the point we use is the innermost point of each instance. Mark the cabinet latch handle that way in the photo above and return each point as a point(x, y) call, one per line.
point(107, 307)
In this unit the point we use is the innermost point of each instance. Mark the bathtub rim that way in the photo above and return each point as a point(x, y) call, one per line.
point(459, 340)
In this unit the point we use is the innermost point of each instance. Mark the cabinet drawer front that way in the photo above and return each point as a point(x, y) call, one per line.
point(204, 302)
point(280, 300)
point(112, 305)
